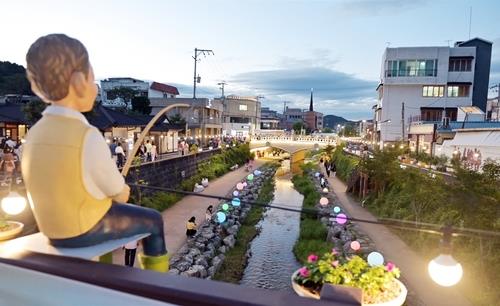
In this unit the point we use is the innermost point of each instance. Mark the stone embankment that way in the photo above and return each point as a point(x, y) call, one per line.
point(203, 254)
point(341, 235)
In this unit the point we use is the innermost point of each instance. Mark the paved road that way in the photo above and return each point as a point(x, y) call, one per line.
point(175, 217)
point(413, 269)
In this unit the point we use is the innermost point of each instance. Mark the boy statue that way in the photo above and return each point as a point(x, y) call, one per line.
point(73, 185)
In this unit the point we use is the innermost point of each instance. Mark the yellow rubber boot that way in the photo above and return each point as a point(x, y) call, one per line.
point(154, 263)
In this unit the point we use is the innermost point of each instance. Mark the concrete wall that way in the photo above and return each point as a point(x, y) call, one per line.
point(169, 173)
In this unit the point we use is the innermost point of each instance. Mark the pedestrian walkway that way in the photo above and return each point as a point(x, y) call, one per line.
point(175, 217)
point(413, 268)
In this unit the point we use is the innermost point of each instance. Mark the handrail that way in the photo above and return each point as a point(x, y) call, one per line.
point(156, 286)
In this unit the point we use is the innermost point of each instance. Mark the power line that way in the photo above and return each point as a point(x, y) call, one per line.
point(397, 223)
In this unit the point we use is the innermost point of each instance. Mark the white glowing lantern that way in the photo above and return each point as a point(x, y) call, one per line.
point(13, 203)
point(445, 270)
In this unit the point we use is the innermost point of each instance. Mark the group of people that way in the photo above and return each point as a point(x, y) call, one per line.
point(147, 152)
point(10, 156)
point(191, 224)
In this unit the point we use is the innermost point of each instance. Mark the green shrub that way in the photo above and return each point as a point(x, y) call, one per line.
point(312, 235)
point(345, 164)
point(161, 200)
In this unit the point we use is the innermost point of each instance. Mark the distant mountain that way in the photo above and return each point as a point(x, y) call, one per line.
point(13, 79)
point(331, 121)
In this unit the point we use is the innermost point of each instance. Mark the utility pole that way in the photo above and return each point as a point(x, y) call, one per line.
point(402, 121)
point(221, 84)
point(197, 79)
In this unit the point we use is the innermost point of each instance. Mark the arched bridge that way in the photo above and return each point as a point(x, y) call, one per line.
point(292, 144)
point(297, 146)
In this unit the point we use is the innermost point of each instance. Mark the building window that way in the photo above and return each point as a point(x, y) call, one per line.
point(460, 64)
point(458, 91)
point(432, 91)
point(243, 107)
point(412, 68)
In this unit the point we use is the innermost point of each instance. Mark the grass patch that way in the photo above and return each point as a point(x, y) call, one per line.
point(235, 261)
point(312, 236)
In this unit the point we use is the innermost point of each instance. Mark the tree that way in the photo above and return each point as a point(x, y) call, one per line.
point(298, 126)
point(125, 93)
point(33, 110)
point(13, 79)
point(327, 130)
point(141, 104)
point(177, 119)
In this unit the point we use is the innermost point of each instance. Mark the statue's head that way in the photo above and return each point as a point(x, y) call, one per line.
point(60, 73)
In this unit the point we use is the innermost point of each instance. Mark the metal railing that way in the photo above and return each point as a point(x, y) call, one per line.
point(411, 73)
point(160, 287)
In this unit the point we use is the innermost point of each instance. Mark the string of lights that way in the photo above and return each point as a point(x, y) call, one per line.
point(396, 223)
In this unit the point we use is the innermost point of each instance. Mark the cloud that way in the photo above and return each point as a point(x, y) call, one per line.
point(376, 7)
point(335, 92)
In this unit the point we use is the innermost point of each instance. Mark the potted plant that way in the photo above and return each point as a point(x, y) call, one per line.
point(379, 284)
point(9, 229)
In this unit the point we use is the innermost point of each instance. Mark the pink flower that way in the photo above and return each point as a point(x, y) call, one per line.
point(304, 272)
point(390, 266)
point(312, 258)
point(335, 263)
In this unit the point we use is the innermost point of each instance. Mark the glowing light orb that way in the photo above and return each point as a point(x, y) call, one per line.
point(336, 209)
point(225, 206)
point(245, 184)
point(240, 186)
point(323, 201)
point(236, 193)
point(221, 217)
point(236, 202)
point(316, 174)
point(355, 245)
point(445, 270)
point(375, 259)
point(341, 219)
point(13, 203)
point(250, 177)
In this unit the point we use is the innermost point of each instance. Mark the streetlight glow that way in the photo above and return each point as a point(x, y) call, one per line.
point(445, 270)
point(13, 203)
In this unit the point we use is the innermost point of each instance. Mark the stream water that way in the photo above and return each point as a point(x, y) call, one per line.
point(272, 262)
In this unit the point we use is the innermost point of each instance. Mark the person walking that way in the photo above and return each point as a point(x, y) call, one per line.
point(333, 168)
point(148, 146)
point(120, 155)
point(209, 213)
point(8, 162)
point(328, 168)
point(191, 227)
point(130, 249)
point(154, 152)
point(112, 148)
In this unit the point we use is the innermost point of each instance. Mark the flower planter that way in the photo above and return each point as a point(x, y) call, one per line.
point(304, 292)
point(13, 229)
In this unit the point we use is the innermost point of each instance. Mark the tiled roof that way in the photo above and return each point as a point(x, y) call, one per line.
point(164, 88)
point(12, 113)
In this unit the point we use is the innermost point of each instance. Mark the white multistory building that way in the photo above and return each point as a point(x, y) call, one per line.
point(429, 84)
point(109, 99)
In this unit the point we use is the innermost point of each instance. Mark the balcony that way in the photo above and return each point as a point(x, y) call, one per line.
point(411, 73)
